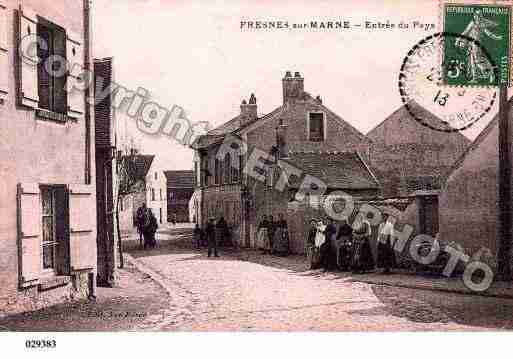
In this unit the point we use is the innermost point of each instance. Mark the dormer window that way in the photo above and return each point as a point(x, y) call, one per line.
point(316, 126)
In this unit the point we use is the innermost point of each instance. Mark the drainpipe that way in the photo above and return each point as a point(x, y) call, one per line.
point(87, 67)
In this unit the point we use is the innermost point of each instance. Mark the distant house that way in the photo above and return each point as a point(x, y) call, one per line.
point(130, 203)
point(156, 193)
point(301, 130)
point(468, 201)
point(407, 156)
point(180, 187)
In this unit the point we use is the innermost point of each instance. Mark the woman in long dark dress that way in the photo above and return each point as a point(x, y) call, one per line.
point(150, 229)
point(362, 255)
point(281, 237)
point(263, 242)
point(345, 240)
point(271, 228)
point(328, 249)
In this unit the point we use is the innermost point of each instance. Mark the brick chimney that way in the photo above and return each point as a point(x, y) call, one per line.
point(293, 87)
point(248, 111)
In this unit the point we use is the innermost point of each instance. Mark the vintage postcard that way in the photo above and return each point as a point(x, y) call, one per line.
point(255, 166)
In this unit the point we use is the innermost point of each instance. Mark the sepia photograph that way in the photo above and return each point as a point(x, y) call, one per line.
point(283, 171)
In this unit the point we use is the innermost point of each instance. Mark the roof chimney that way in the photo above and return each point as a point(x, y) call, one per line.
point(248, 111)
point(293, 87)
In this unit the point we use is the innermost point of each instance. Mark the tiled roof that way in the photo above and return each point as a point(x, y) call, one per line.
point(339, 170)
point(180, 179)
point(233, 126)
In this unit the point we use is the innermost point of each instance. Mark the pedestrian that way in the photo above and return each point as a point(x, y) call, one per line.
point(312, 251)
point(197, 236)
point(328, 249)
point(173, 219)
point(271, 230)
point(386, 255)
point(345, 241)
point(210, 232)
point(140, 220)
point(263, 235)
point(281, 237)
point(362, 259)
point(221, 231)
point(150, 229)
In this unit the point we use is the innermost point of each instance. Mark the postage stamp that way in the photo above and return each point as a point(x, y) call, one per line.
point(490, 26)
point(429, 99)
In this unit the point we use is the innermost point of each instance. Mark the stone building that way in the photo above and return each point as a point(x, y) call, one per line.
point(48, 192)
point(469, 212)
point(180, 187)
point(156, 193)
point(232, 183)
point(412, 160)
point(407, 156)
point(138, 192)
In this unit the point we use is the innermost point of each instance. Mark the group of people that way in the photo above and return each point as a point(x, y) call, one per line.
point(348, 247)
point(273, 236)
point(147, 225)
point(214, 235)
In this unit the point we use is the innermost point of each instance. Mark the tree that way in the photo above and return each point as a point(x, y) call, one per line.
point(126, 184)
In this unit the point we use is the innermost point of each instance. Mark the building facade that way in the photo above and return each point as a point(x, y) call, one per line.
point(48, 192)
point(180, 188)
point(156, 193)
point(469, 212)
point(229, 184)
point(408, 157)
point(137, 167)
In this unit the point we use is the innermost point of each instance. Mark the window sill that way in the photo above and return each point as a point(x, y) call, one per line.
point(53, 282)
point(50, 116)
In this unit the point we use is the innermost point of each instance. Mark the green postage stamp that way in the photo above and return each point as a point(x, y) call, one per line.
point(481, 54)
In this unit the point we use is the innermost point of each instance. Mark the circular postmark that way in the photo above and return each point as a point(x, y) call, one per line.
point(425, 83)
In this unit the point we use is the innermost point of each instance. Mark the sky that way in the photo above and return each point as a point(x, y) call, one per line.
point(194, 54)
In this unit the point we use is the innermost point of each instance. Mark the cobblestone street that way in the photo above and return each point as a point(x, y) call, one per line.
point(176, 288)
point(245, 290)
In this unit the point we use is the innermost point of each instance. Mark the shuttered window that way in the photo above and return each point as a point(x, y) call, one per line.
point(51, 84)
point(4, 53)
point(54, 90)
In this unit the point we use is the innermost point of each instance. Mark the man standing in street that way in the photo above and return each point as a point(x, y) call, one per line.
point(210, 232)
point(140, 220)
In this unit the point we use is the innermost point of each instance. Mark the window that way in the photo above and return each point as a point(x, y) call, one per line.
point(216, 172)
point(51, 85)
point(49, 242)
point(156, 175)
point(227, 168)
point(161, 194)
point(316, 127)
point(153, 194)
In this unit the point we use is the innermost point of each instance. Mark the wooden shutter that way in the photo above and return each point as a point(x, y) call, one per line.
point(29, 233)
point(82, 221)
point(28, 90)
point(75, 58)
point(4, 52)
